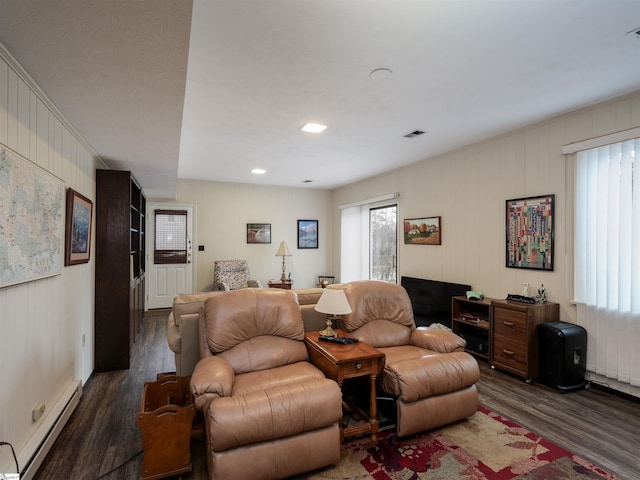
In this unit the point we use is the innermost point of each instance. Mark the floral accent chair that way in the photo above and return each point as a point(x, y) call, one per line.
point(232, 275)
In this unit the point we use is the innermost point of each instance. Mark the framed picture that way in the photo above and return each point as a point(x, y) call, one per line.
point(77, 228)
point(423, 231)
point(307, 233)
point(32, 202)
point(258, 233)
point(529, 231)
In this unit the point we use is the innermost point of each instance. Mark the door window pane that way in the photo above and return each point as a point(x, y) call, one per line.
point(170, 236)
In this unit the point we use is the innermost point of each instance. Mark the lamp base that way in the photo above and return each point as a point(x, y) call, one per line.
point(328, 332)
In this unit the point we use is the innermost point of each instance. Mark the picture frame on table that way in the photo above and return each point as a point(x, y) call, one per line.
point(79, 213)
point(530, 232)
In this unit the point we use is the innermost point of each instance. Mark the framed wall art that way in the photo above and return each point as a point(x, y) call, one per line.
point(423, 231)
point(77, 228)
point(258, 233)
point(32, 212)
point(529, 232)
point(307, 233)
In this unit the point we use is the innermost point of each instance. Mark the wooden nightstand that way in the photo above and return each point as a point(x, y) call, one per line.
point(515, 335)
point(283, 285)
point(340, 362)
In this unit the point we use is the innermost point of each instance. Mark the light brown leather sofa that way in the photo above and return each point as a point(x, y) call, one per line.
point(182, 324)
point(427, 371)
point(268, 412)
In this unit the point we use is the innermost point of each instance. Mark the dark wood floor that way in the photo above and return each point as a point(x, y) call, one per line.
point(103, 435)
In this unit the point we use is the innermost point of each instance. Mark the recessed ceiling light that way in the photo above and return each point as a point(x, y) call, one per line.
point(258, 171)
point(313, 128)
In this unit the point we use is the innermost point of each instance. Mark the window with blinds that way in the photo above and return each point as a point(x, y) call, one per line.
point(170, 242)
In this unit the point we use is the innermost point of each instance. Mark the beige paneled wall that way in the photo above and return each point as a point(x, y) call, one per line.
point(42, 322)
point(468, 188)
point(223, 211)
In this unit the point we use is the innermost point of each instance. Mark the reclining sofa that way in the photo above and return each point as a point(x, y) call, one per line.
point(182, 324)
point(427, 373)
point(268, 412)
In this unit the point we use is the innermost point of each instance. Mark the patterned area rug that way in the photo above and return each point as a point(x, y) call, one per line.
point(486, 446)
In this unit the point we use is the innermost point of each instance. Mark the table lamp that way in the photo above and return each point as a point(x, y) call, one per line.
point(283, 252)
point(333, 302)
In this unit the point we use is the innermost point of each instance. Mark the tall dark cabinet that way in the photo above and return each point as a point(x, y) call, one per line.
point(120, 267)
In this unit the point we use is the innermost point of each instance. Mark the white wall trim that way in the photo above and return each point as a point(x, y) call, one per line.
point(613, 384)
point(35, 88)
point(601, 141)
point(34, 452)
point(368, 201)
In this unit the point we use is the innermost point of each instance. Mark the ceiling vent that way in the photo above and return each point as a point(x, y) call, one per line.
point(415, 133)
point(635, 33)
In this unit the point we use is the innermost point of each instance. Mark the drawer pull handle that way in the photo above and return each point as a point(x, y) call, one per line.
point(358, 366)
point(509, 324)
point(508, 352)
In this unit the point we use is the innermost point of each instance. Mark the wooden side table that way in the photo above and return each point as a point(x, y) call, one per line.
point(280, 284)
point(340, 362)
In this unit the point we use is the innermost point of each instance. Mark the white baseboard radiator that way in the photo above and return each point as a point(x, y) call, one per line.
point(36, 449)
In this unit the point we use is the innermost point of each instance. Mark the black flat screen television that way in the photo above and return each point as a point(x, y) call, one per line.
point(431, 299)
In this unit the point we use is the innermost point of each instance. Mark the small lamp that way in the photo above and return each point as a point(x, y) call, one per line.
point(333, 302)
point(283, 251)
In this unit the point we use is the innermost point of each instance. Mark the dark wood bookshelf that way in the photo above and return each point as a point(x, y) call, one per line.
point(120, 267)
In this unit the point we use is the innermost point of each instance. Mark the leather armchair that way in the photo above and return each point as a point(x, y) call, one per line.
point(426, 371)
point(232, 275)
point(268, 412)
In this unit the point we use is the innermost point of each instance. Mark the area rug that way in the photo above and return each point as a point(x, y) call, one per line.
point(485, 446)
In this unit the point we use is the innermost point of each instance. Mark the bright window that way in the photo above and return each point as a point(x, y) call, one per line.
point(170, 237)
point(368, 240)
point(607, 257)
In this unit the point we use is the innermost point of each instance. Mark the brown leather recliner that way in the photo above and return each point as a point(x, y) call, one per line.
point(426, 371)
point(268, 412)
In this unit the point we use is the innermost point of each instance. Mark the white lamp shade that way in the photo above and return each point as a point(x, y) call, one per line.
point(333, 302)
point(283, 251)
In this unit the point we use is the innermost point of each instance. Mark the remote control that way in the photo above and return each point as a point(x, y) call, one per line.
point(342, 340)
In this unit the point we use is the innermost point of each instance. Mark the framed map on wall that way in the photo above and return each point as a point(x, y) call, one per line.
point(530, 232)
point(32, 205)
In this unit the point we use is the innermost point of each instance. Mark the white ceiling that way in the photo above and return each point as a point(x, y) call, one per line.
point(167, 94)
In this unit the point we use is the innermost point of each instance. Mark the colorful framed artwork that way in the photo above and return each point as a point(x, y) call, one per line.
point(423, 231)
point(258, 233)
point(307, 233)
point(529, 232)
point(77, 228)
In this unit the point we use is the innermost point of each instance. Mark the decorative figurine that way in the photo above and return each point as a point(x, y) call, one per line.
point(542, 294)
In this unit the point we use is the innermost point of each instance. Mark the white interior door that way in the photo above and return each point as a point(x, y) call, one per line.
point(166, 280)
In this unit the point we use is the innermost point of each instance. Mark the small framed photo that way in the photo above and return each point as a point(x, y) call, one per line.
point(258, 233)
point(529, 232)
point(423, 231)
point(77, 228)
point(307, 233)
